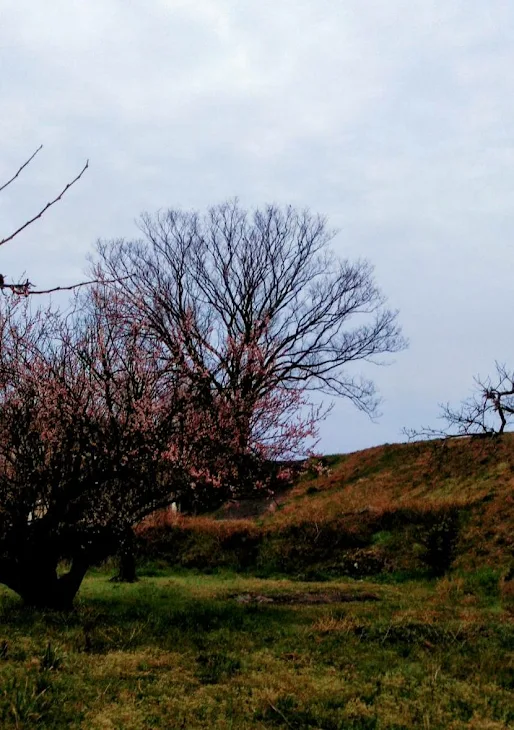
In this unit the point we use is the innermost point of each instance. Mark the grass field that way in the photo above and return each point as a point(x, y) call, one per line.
point(183, 650)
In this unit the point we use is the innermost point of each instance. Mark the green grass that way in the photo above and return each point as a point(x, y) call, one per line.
point(180, 651)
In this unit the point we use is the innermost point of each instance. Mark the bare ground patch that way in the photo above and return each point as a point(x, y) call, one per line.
point(306, 597)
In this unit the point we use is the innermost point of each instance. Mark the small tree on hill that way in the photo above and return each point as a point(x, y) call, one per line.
point(487, 412)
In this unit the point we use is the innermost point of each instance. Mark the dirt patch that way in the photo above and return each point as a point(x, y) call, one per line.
point(309, 598)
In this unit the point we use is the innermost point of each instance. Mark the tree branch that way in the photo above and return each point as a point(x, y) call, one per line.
point(46, 207)
point(23, 289)
point(20, 169)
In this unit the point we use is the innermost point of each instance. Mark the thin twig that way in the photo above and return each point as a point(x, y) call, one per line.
point(48, 205)
point(2, 187)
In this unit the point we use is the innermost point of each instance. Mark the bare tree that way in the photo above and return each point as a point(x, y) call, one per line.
point(487, 412)
point(252, 302)
point(24, 288)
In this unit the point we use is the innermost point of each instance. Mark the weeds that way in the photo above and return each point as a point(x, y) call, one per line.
point(24, 701)
point(50, 659)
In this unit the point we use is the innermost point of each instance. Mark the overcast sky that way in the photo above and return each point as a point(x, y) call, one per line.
point(395, 119)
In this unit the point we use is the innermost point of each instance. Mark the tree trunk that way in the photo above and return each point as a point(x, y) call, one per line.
point(39, 585)
point(127, 560)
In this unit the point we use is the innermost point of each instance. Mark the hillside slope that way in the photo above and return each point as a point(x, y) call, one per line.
point(424, 506)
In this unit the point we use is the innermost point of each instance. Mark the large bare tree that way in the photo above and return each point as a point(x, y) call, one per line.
point(253, 302)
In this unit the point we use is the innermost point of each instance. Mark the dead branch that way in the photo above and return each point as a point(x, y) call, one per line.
point(47, 206)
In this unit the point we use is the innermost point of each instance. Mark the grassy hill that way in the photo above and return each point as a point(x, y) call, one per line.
point(427, 506)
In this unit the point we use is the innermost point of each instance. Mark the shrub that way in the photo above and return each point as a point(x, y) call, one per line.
point(440, 541)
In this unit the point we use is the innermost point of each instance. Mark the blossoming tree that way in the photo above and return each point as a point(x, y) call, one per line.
point(87, 416)
point(99, 428)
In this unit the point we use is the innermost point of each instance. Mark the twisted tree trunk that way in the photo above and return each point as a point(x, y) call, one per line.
point(39, 585)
